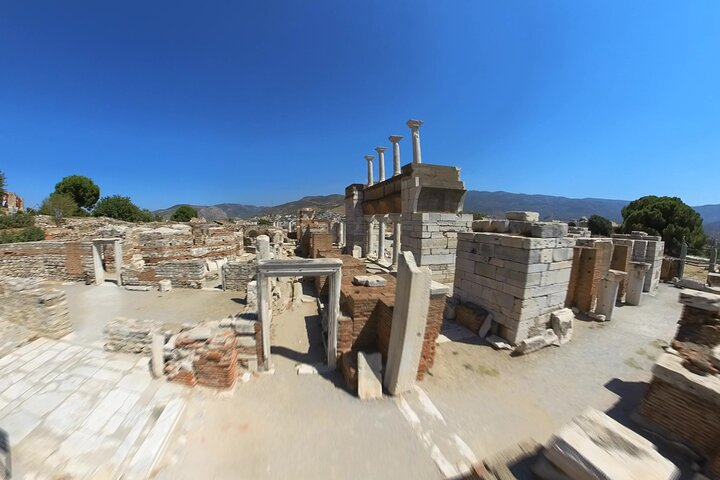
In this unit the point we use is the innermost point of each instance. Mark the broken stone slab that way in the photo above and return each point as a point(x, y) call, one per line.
point(523, 216)
point(369, 280)
point(562, 322)
point(138, 288)
point(498, 343)
point(701, 300)
point(595, 447)
point(369, 375)
point(533, 344)
point(486, 325)
point(306, 369)
point(357, 251)
point(597, 316)
point(165, 285)
point(197, 333)
point(713, 279)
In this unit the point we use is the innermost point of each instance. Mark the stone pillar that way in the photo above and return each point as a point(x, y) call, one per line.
point(341, 234)
point(407, 331)
point(381, 162)
point(396, 243)
point(263, 247)
point(369, 159)
point(683, 255)
point(381, 239)
point(157, 362)
point(713, 259)
point(608, 293)
point(117, 245)
point(415, 129)
point(369, 237)
point(395, 139)
point(636, 279)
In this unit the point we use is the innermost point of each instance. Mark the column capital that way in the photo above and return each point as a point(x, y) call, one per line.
point(395, 138)
point(414, 124)
point(380, 150)
point(369, 158)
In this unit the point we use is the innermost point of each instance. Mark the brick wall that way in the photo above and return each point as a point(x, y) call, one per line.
point(320, 242)
point(591, 261)
point(236, 275)
point(693, 420)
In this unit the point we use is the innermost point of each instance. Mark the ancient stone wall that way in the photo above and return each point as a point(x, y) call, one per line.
point(591, 261)
point(649, 249)
point(320, 242)
point(237, 274)
point(518, 278)
point(37, 307)
point(47, 260)
point(182, 274)
point(433, 240)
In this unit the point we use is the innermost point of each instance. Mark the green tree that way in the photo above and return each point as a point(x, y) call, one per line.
point(83, 190)
point(599, 225)
point(59, 205)
point(668, 217)
point(2, 184)
point(184, 213)
point(120, 208)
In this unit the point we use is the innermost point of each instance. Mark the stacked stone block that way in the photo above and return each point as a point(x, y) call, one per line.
point(520, 279)
point(47, 260)
point(592, 259)
point(433, 240)
point(237, 274)
point(43, 310)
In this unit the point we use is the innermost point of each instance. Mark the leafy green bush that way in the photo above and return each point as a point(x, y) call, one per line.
point(121, 208)
point(184, 213)
point(668, 217)
point(16, 220)
point(600, 226)
point(30, 234)
point(59, 205)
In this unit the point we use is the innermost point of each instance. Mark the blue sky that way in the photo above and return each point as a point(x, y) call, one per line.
point(265, 102)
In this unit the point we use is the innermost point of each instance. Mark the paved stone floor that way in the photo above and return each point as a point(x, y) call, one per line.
point(79, 411)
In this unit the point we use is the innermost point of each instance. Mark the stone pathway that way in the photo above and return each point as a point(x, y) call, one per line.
point(85, 413)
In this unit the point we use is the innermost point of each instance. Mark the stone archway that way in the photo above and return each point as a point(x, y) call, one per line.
point(266, 269)
point(99, 270)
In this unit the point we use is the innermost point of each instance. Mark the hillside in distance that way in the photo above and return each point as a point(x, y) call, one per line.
point(550, 207)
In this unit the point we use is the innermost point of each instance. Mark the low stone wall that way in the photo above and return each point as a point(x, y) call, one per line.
point(128, 335)
point(30, 304)
point(47, 260)
point(237, 274)
point(182, 274)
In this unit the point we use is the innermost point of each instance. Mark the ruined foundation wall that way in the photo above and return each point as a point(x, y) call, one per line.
point(182, 274)
point(47, 260)
point(237, 274)
point(39, 308)
point(591, 261)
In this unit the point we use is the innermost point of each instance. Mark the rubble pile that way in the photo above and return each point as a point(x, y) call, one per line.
point(129, 335)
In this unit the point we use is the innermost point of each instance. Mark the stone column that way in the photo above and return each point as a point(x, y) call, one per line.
point(407, 332)
point(395, 139)
point(396, 243)
point(369, 159)
point(683, 255)
point(415, 129)
point(157, 361)
point(381, 239)
point(341, 234)
point(381, 162)
point(636, 279)
point(608, 292)
point(369, 238)
point(117, 245)
point(263, 247)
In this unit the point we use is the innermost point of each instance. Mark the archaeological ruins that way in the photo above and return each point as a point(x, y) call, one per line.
point(390, 293)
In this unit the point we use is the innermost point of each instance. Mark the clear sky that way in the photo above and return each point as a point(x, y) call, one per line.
point(263, 102)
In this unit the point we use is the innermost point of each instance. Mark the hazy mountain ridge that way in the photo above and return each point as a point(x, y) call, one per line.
point(491, 203)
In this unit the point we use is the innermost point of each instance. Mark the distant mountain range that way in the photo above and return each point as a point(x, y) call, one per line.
point(491, 203)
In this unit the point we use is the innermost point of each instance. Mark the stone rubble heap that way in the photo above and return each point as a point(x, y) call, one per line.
point(203, 357)
point(30, 304)
point(129, 335)
point(697, 340)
